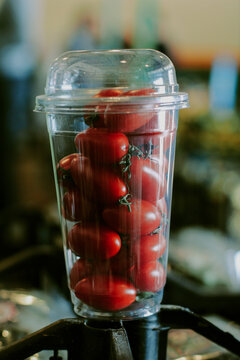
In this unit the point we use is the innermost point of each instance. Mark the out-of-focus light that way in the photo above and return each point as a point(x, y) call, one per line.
point(223, 83)
point(5, 333)
point(237, 265)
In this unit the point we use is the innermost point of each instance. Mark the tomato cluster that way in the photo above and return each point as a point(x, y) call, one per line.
point(113, 189)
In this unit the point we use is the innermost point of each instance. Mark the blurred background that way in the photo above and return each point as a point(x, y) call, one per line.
point(203, 40)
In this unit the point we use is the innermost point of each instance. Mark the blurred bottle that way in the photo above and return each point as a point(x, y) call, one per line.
point(223, 85)
point(83, 38)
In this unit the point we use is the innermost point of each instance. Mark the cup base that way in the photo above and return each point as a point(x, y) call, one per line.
point(134, 311)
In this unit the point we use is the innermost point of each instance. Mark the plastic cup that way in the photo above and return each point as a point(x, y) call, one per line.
point(112, 118)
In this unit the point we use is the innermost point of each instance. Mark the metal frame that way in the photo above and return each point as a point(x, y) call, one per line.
point(92, 339)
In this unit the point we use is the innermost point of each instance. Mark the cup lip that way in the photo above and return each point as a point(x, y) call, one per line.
point(78, 102)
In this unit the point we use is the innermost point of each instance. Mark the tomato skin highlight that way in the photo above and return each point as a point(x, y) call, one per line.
point(101, 146)
point(143, 218)
point(92, 241)
point(99, 184)
point(105, 292)
point(151, 276)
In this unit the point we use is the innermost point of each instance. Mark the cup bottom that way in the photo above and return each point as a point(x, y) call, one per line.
point(135, 311)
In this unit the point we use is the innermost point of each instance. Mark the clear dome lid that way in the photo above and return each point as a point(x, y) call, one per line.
point(76, 77)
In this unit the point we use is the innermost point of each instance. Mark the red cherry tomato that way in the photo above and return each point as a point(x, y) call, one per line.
point(109, 93)
point(63, 170)
point(148, 248)
point(96, 119)
point(166, 122)
point(121, 118)
point(119, 264)
point(150, 276)
point(125, 118)
point(65, 163)
point(93, 241)
point(161, 130)
point(106, 293)
point(122, 263)
point(81, 269)
point(148, 181)
point(143, 218)
point(99, 184)
point(101, 146)
point(76, 206)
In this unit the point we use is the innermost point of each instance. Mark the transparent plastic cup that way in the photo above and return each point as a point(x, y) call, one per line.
point(112, 118)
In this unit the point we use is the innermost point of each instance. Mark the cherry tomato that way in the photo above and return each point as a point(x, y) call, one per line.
point(163, 129)
point(76, 206)
point(148, 181)
point(109, 93)
point(81, 269)
point(125, 118)
point(150, 276)
point(63, 170)
point(65, 163)
point(163, 120)
point(106, 293)
point(121, 118)
point(143, 218)
point(101, 146)
point(148, 248)
point(119, 264)
point(93, 241)
point(99, 184)
point(96, 119)
point(122, 263)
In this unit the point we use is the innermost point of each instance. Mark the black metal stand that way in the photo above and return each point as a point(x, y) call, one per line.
point(148, 337)
point(144, 339)
point(80, 339)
